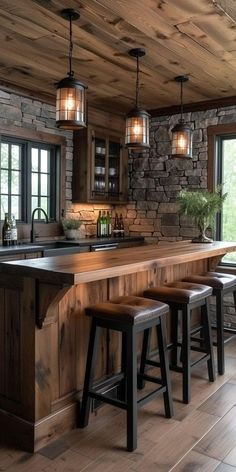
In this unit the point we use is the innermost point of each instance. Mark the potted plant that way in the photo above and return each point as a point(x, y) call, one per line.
point(201, 205)
point(71, 227)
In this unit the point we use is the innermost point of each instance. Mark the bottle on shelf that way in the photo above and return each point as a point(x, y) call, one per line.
point(121, 227)
point(99, 225)
point(13, 231)
point(116, 227)
point(104, 225)
point(6, 231)
point(108, 224)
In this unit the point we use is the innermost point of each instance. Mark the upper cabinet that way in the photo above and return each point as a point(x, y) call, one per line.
point(100, 166)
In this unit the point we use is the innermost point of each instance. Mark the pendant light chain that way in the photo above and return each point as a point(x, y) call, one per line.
point(71, 72)
point(137, 82)
point(181, 101)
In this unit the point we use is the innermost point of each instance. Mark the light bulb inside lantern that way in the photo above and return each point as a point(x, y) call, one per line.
point(70, 102)
point(181, 142)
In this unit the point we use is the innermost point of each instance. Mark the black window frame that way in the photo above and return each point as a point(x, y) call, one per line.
point(55, 177)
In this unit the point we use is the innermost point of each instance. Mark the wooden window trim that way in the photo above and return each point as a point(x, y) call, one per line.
point(212, 133)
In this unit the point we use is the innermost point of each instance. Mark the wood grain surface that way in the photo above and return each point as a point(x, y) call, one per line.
point(180, 37)
point(82, 268)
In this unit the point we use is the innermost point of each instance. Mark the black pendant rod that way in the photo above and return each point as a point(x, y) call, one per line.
point(71, 72)
point(70, 15)
point(137, 82)
point(181, 79)
point(137, 52)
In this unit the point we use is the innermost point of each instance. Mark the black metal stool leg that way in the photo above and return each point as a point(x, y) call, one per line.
point(208, 340)
point(91, 358)
point(164, 366)
point(186, 360)
point(131, 389)
point(144, 354)
point(122, 386)
point(220, 332)
point(174, 337)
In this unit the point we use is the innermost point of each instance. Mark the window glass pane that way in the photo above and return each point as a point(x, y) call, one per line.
point(44, 184)
point(4, 181)
point(15, 182)
point(15, 157)
point(34, 204)
point(15, 207)
point(44, 160)
point(4, 155)
point(4, 206)
point(34, 159)
point(44, 205)
point(34, 182)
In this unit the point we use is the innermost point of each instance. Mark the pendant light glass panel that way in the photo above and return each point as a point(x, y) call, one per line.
point(137, 129)
point(137, 120)
point(71, 105)
point(181, 141)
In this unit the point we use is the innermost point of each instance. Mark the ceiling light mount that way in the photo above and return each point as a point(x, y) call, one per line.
point(71, 93)
point(181, 133)
point(137, 120)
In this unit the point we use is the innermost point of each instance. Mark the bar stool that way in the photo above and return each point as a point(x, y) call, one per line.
point(221, 284)
point(184, 297)
point(128, 315)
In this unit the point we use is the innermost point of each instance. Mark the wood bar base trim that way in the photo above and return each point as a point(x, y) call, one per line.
point(32, 437)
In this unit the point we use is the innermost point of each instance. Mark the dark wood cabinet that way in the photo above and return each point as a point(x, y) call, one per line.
point(100, 166)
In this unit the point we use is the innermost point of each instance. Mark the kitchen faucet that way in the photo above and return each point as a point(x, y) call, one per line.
point(32, 233)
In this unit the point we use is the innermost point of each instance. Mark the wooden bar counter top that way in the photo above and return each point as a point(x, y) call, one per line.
point(44, 331)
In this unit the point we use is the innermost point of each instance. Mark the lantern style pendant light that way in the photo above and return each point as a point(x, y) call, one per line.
point(137, 120)
point(71, 94)
point(181, 133)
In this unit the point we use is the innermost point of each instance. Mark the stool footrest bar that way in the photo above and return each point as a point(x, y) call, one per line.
point(142, 401)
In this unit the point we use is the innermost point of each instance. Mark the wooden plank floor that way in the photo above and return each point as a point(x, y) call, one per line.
point(200, 438)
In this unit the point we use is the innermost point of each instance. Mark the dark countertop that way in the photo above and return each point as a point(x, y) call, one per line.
point(39, 246)
point(101, 241)
point(19, 249)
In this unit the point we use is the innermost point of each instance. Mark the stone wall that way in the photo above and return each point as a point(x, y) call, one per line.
point(156, 179)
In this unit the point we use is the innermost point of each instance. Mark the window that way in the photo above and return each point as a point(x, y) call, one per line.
point(28, 178)
point(222, 171)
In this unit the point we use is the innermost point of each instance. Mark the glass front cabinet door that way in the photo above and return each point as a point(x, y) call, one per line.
point(104, 178)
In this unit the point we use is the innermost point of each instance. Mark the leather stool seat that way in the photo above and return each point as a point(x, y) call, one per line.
point(128, 315)
point(179, 292)
point(213, 279)
point(222, 284)
point(183, 297)
point(128, 309)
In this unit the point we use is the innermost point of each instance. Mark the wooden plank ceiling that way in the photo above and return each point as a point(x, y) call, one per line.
point(197, 38)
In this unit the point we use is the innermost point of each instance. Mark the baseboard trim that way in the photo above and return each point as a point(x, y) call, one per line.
point(31, 437)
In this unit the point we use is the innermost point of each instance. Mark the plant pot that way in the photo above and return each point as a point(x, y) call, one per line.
point(72, 234)
point(202, 238)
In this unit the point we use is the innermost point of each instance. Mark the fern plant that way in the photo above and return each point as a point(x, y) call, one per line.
point(201, 205)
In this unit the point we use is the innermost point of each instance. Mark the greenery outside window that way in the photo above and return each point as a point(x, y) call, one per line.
point(29, 174)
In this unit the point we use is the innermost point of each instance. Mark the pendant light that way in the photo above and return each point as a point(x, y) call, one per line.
point(137, 120)
point(181, 133)
point(71, 105)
